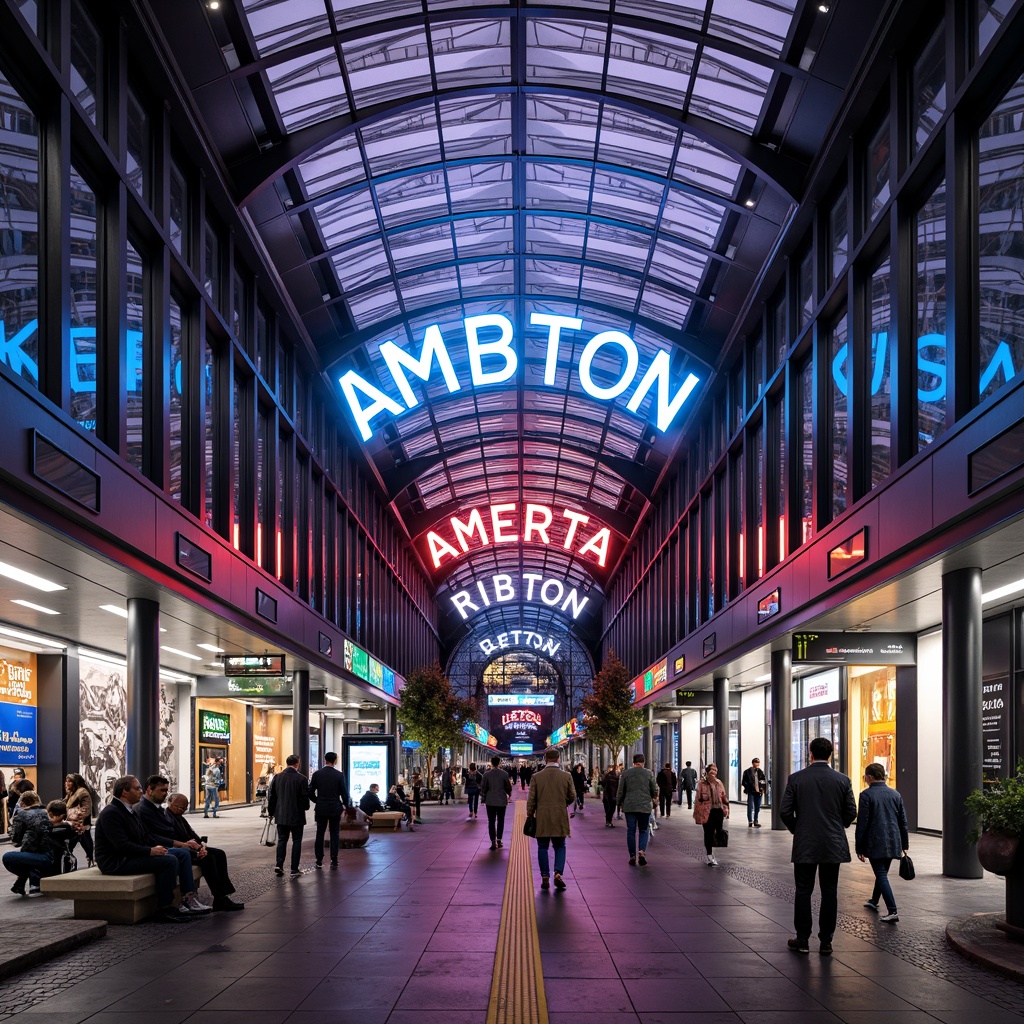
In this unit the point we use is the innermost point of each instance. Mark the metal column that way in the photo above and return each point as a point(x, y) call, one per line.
point(143, 659)
point(721, 699)
point(300, 719)
point(961, 717)
point(782, 730)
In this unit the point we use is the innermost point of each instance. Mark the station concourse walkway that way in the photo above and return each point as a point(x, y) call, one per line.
point(406, 932)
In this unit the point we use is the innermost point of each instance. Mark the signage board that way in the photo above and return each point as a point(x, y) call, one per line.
point(856, 648)
point(703, 698)
point(820, 688)
point(560, 735)
point(253, 664)
point(367, 761)
point(652, 678)
point(17, 734)
point(521, 749)
point(995, 728)
point(214, 727)
point(535, 641)
point(680, 665)
point(521, 725)
point(501, 588)
point(267, 686)
point(496, 700)
point(769, 605)
point(16, 683)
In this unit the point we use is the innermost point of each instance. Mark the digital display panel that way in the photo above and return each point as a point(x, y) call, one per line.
point(520, 724)
point(497, 700)
point(367, 762)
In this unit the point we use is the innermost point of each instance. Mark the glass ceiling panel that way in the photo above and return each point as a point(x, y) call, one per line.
point(686, 13)
point(557, 187)
point(632, 140)
point(556, 126)
point(697, 220)
point(676, 264)
point(565, 53)
point(730, 90)
point(346, 218)
point(549, 278)
point(362, 263)
point(488, 277)
point(389, 66)
point(480, 187)
point(555, 236)
point(397, 143)
point(664, 304)
point(349, 13)
point(601, 285)
point(439, 283)
point(421, 246)
point(611, 243)
point(339, 164)
point(277, 24)
point(377, 303)
point(760, 24)
point(701, 164)
point(650, 66)
point(469, 52)
point(476, 126)
point(415, 197)
point(484, 236)
point(308, 89)
point(626, 197)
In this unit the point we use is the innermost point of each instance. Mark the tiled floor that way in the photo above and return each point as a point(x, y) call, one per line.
point(404, 933)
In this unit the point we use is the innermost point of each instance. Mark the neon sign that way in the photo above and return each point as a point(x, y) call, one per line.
point(530, 639)
point(551, 592)
point(366, 401)
point(506, 528)
point(522, 717)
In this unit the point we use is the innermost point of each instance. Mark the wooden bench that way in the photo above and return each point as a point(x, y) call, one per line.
point(395, 816)
point(119, 899)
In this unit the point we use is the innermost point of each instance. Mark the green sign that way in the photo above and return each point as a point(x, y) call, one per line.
point(360, 663)
point(214, 727)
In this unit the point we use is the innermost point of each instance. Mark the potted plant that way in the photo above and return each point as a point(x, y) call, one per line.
point(999, 809)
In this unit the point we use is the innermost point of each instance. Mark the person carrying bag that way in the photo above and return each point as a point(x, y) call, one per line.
point(711, 808)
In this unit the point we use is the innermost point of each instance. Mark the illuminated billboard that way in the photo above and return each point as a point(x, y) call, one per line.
point(518, 725)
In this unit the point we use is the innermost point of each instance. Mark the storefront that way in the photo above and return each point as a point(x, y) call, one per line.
point(221, 727)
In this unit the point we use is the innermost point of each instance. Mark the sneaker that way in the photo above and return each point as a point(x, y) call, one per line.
point(757, 824)
point(890, 918)
point(632, 861)
point(871, 906)
point(559, 884)
point(173, 915)
point(714, 860)
point(642, 860)
point(334, 865)
point(798, 945)
point(295, 872)
point(191, 900)
point(544, 883)
point(750, 824)
point(825, 949)
point(279, 871)
point(710, 859)
point(318, 866)
point(500, 843)
point(34, 890)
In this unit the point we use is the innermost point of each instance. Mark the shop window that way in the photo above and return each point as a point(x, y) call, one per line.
point(86, 62)
point(19, 235)
point(989, 17)
point(928, 89)
point(1001, 244)
point(880, 381)
point(85, 291)
point(838, 237)
point(930, 232)
point(178, 211)
point(179, 385)
point(817, 711)
point(138, 146)
point(135, 358)
point(871, 707)
point(839, 363)
point(876, 171)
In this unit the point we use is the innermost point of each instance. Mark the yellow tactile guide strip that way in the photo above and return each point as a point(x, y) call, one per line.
point(517, 988)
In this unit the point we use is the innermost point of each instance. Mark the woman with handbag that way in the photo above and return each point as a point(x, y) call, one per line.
point(882, 834)
point(711, 808)
point(81, 804)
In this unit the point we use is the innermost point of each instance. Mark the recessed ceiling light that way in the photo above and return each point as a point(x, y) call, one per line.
point(823, 8)
point(214, 5)
point(1000, 592)
point(31, 638)
point(763, 679)
point(109, 659)
point(122, 612)
point(181, 654)
point(749, 204)
point(211, 648)
point(174, 677)
point(30, 579)
point(34, 607)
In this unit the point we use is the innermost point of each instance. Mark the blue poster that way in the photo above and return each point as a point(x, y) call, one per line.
point(17, 734)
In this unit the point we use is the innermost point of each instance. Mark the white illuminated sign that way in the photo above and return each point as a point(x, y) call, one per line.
point(515, 700)
point(367, 764)
point(537, 641)
point(531, 585)
point(509, 526)
point(493, 359)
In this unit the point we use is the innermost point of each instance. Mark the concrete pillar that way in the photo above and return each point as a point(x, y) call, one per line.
point(961, 717)
point(143, 660)
point(782, 730)
point(721, 701)
point(648, 743)
point(300, 719)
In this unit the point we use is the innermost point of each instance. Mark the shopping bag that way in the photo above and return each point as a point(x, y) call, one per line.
point(530, 827)
point(907, 871)
point(720, 838)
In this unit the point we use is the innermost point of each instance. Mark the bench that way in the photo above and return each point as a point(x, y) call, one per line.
point(119, 899)
point(395, 816)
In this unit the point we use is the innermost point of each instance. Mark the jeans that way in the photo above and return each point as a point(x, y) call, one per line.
point(716, 817)
point(495, 822)
point(474, 801)
point(322, 823)
point(753, 806)
point(634, 822)
point(283, 832)
point(212, 796)
point(183, 856)
point(543, 842)
point(880, 866)
point(29, 865)
point(665, 804)
point(828, 882)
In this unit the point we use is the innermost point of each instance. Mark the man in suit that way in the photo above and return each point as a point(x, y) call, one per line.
point(328, 792)
point(123, 848)
point(666, 781)
point(287, 803)
point(496, 791)
point(817, 807)
point(551, 793)
point(754, 785)
point(212, 862)
point(687, 783)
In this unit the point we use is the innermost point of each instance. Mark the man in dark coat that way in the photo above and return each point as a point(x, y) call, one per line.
point(496, 791)
point(754, 785)
point(687, 783)
point(817, 807)
point(287, 803)
point(212, 862)
point(328, 792)
point(666, 781)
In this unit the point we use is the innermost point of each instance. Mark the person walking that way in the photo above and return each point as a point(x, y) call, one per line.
point(712, 808)
point(666, 781)
point(580, 784)
point(754, 785)
point(473, 782)
point(496, 791)
point(817, 807)
point(551, 794)
point(882, 834)
point(687, 784)
point(328, 793)
point(635, 798)
point(81, 802)
point(287, 803)
point(447, 786)
point(417, 796)
point(211, 787)
point(609, 790)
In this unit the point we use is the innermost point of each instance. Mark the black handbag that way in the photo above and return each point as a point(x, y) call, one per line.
point(907, 872)
point(530, 827)
point(720, 838)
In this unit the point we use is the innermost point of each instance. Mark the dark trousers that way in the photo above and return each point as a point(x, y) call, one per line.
point(495, 822)
point(473, 799)
point(753, 806)
point(85, 841)
point(665, 803)
point(689, 797)
point(609, 810)
point(447, 793)
point(164, 868)
point(322, 823)
point(828, 882)
point(283, 832)
point(716, 816)
point(214, 867)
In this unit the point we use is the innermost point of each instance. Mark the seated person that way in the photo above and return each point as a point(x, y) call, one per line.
point(396, 802)
point(30, 829)
point(212, 862)
point(64, 835)
point(123, 847)
point(369, 802)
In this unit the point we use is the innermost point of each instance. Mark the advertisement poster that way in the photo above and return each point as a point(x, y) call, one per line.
point(367, 763)
point(518, 726)
point(17, 734)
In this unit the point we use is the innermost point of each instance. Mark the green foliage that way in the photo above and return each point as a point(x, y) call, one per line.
point(608, 713)
point(432, 714)
point(999, 807)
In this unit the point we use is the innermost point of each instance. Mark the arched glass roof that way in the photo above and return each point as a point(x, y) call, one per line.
point(623, 168)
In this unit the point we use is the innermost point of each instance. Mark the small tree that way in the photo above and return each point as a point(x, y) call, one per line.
point(432, 713)
point(608, 712)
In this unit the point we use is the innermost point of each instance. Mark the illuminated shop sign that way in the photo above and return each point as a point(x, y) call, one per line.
point(498, 700)
point(214, 727)
point(537, 641)
point(651, 679)
point(521, 725)
point(509, 526)
point(17, 734)
point(531, 587)
point(378, 675)
point(571, 728)
point(480, 734)
point(856, 648)
point(253, 664)
point(493, 359)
